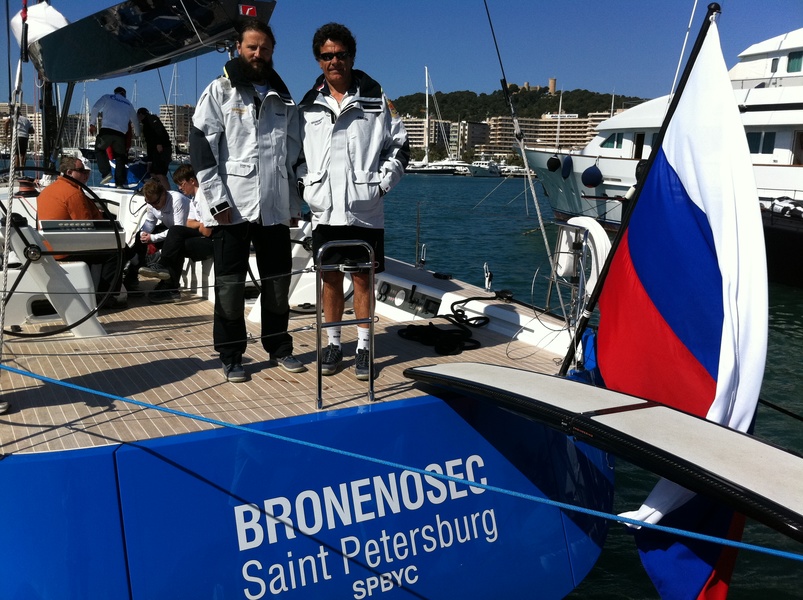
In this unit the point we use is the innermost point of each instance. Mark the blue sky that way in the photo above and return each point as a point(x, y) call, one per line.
point(628, 47)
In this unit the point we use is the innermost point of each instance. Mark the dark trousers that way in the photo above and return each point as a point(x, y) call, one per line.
point(111, 138)
point(232, 245)
point(138, 254)
point(105, 269)
point(183, 242)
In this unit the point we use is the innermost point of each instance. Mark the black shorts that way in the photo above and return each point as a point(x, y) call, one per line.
point(330, 233)
point(22, 146)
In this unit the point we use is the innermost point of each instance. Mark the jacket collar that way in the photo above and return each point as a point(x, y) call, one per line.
point(234, 72)
point(362, 86)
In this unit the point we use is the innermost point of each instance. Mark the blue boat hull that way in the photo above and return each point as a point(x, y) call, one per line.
point(190, 516)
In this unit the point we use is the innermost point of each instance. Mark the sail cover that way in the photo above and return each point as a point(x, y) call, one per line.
point(132, 37)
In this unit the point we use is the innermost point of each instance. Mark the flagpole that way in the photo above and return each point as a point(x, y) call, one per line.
point(588, 311)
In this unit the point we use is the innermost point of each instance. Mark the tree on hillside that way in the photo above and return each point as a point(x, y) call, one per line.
point(470, 106)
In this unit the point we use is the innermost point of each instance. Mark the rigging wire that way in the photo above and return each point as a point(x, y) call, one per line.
point(682, 52)
point(14, 124)
point(441, 122)
point(192, 22)
point(488, 195)
point(519, 136)
point(12, 179)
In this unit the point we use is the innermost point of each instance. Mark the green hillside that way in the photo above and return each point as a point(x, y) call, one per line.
point(470, 106)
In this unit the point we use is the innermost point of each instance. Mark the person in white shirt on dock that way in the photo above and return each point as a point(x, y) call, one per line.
point(24, 130)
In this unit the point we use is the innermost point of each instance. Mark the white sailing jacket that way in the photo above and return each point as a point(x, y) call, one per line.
point(244, 151)
point(351, 160)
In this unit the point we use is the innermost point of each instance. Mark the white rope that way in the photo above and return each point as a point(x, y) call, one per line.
point(12, 179)
point(682, 52)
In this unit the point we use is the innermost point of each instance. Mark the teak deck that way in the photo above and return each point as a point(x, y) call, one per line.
point(162, 355)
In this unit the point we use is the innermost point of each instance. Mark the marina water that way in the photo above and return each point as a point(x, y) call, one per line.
point(466, 222)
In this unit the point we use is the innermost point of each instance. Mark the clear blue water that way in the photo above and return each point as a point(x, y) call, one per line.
point(466, 222)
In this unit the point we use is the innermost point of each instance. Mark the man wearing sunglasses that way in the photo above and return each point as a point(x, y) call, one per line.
point(165, 209)
point(356, 149)
point(65, 200)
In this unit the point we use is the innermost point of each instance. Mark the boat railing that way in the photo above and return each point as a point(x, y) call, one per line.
point(580, 251)
point(346, 267)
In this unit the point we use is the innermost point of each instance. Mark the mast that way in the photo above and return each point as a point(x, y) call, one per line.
point(174, 85)
point(560, 109)
point(426, 115)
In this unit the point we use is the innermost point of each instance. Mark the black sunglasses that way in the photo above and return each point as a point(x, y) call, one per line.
point(327, 56)
point(157, 201)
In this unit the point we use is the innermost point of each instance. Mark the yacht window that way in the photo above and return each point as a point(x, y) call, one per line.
point(774, 67)
point(768, 145)
point(761, 142)
point(614, 141)
point(795, 62)
point(754, 141)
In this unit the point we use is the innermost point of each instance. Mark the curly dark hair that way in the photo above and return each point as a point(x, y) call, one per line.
point(336, 33)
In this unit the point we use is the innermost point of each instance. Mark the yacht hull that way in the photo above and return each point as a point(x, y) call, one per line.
point(192, 512)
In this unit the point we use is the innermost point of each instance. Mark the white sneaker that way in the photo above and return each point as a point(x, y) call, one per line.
point(106, 179)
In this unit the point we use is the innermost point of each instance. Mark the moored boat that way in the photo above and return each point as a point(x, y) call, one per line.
point(768, 87)
point(429, 168)
point(485, 168)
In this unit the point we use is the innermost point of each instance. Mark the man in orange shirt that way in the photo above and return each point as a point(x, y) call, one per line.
point(64, 200)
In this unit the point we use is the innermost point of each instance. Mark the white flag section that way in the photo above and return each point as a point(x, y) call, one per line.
point(706, 147)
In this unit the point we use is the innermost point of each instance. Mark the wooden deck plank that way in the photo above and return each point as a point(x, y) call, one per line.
point(162, 355)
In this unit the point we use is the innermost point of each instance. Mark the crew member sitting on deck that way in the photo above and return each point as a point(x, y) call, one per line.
point(64, 200)
point(191, 241)
point(166, 209)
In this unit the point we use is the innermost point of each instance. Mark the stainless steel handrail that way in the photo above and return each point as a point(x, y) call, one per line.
point(346, 268)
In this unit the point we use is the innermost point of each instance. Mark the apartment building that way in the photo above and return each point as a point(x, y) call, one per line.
point(567, 131)
point(495, 136)
point(177, 119)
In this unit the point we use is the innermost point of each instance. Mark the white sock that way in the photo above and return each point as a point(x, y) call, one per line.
point(334, 335)
point(363, 338)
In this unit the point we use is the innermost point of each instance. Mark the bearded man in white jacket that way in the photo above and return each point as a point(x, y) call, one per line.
point(244, 144)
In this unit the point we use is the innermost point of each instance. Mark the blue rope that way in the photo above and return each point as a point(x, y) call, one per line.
point(380, 461)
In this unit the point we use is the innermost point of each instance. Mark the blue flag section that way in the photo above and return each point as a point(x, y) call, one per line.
point(683, 314)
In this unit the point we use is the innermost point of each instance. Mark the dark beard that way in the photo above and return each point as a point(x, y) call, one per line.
point(257, 71)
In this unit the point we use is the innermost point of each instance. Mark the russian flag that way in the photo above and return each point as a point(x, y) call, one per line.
point(683, 312)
